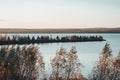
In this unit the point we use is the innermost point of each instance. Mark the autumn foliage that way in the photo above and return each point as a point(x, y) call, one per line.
point(107, 67)
point(26, 63)
point(66, 65)
point(20, 63)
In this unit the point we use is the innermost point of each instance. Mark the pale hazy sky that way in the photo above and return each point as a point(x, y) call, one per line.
point(59, 13)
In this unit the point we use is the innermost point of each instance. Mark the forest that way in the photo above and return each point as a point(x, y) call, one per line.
point(27, 63)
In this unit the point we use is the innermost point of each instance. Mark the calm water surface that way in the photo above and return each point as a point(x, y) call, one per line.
point(88, 52)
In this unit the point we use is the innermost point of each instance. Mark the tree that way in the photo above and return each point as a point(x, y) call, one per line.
point(57, 38)
point(73, 65)
point(33, 38)
point(20, 63)
point(30, 63)
point(28, 37)
point(38, 38)
point(9, 38)
point(115, 71)
point(103, 68)
point(58, 64)
point(66, 66)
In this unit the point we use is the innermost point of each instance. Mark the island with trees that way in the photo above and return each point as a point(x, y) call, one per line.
point(6, 40)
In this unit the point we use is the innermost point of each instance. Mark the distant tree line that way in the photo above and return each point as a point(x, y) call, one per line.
point(46, 39)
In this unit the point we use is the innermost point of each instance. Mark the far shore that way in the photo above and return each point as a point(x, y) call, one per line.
point(80, 30)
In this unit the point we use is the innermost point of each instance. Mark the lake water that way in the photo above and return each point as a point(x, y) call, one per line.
point(88, 52)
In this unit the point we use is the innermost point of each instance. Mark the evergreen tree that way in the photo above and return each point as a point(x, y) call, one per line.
point(33, 38)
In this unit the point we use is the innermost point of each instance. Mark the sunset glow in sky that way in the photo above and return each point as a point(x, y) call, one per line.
point(59, 13)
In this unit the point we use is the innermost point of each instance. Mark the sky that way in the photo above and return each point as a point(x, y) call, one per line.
point(37, 14)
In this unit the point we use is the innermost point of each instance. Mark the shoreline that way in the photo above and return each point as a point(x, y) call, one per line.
point(80, 30)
